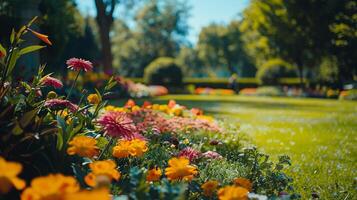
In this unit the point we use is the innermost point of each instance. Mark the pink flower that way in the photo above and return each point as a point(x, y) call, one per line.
point(78, 64)
point(50, 81)
point(118, 124)
point(61, 104)
point(189, 153)
point(211, 155)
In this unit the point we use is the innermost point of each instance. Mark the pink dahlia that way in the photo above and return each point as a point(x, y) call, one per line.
point(118, 124)
point(50, 81)
point(78, 64)
point(189, 153)
point(61, 104)
point(211, 155)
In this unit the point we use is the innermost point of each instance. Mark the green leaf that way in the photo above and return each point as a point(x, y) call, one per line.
point(27, 86)
point(30, 49)
point(32, 21)
point(61, 132)
point(27, 118)
point(99, 95)
point(2, 50)
point(12, 36)
point(14, 56)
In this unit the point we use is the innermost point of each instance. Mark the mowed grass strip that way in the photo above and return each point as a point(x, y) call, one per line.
point(319, 135)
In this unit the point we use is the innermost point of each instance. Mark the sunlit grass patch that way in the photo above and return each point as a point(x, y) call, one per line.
point(319, 135)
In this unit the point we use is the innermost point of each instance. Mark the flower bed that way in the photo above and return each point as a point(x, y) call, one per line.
point(54, 148)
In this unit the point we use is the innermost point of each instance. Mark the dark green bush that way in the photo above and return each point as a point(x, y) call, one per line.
point(273, 70)
point(163, 71)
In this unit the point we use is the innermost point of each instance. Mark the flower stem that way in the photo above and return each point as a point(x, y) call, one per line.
point(74, 83)
point(106, 148)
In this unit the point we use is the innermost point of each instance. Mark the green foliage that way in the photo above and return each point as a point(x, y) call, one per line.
point(297, 33)
point(220, 45)
point(160, 29)
point(163, 71)
point(272, 70)
point(328, 70)
point(269, 91)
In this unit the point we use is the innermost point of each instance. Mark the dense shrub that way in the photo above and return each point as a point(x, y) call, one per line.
point(269, 91)
point(272, 70)
point(163, 71)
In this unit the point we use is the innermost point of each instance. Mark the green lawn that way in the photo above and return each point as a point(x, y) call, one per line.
point(319, 135)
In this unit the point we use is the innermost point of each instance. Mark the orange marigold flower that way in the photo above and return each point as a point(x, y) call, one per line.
point(209, 187)
point(130, 103)
point(101, 170)
point(138, 147)
point(126, 148)
point(98, 194)
point(53, 186)
point(121, 150)
point(232, 193)
point(154, 174)
point(93, 99)
point(8, 176)
point(40, 36)
point(83, 146)
point(180, 169)
point(243, 182)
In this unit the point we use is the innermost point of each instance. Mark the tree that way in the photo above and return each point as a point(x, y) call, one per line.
point(300, 32)
point(105, 10)
point(220, 45)
point(188, 60)
point(159, 32)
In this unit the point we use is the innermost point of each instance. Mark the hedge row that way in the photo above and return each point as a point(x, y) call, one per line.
point(223, 82)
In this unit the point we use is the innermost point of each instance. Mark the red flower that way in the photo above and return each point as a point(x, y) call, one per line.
point(118, 124)
point(50, 81)
point(78, 64)
point(189, 153)
point(61, 104)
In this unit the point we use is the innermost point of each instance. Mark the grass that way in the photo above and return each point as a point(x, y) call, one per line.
point(319, 135)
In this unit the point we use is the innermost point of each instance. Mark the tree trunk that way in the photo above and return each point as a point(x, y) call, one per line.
point(107, 57)
point(105, 21)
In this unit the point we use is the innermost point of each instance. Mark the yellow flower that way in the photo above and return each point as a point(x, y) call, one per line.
point(65, 115)
point(243, 182)
point(209, 187)
point(164, 108)
point(186, 141)
point(180, 169)
point(121, 150)
point(137, 147)
point(98, 194)
point(93, 99)
point(53, 186)
point(154, 174)
point(8, 176)
point(135, 108)
point(83, 146)
point(109, 108)
point(102, 170)
point(232, 193)
point(205, 117)
point(126, 148)
point(176, 111)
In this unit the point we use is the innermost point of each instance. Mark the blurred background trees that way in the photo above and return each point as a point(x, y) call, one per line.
point(317, 38)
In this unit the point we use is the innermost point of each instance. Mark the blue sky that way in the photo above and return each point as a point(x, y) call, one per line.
point(203, 12)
